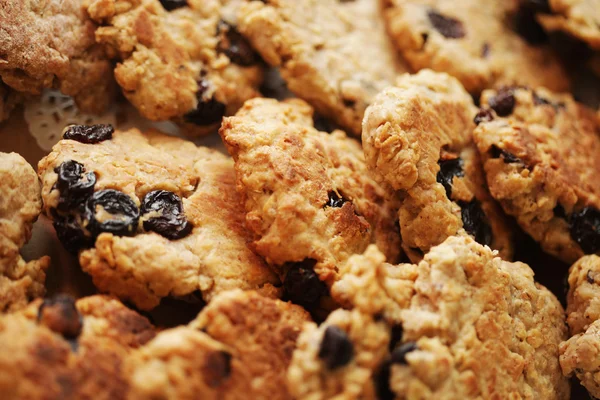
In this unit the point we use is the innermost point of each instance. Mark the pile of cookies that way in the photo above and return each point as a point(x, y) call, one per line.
point(358, 241)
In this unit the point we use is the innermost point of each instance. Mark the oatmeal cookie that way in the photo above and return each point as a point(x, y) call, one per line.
point(20, 205)
point(309, 198)
point(580, 355)
point(540, 154)
point(239, 347)
point(151, 215)
point(333, 54)
point(60, 349)
point(417, 138)
point(579, 18)
point(179, 60)
point(50, 44)
point(477, 43)
point(338, 359)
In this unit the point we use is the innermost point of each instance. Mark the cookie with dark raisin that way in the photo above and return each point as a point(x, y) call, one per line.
point(20, 206)
point(339, 358)
point(166, 203)
point(540, 155)
point(466, 324)
point(179, 60)
point(578, 18)
point(333, 54)
point(60, 348)
point(480, 44)
point(417, 139)
point(308, 195)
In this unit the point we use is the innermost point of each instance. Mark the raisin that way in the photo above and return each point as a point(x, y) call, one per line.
point(69, 232)
point(60, 315)
point(503, 102)
point(74, 184)
point(170, 5)
point(334, 200)
point(399, 354)
point(448, 170)
point(585, 229)
point(89, 134)
point(336, 349)
point(475, 221)
point(171, 223)
point(209, 111)
point(235, 46)
point(529, 29)
point(301, 285)
point(508, 158)
point(447, 26)
point(119, 214)
point(217, 368)
point(484, 115)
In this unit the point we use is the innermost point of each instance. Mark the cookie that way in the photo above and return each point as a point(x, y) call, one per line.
point(478, 44)
point(338, 358)
point(20, 205)
point(539, 152)
point(164, 220)
point(309, 198)
point(579, 356)
point(417, 139)
point(179, 60)
point(579, 18)
point(239, 347)
point(333, 54)
point(62, 349)
point(50, 44)
point(466, 324)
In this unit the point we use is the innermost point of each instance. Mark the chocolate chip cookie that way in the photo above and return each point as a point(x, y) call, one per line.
point(150, 215)
point(62, 349)
point(480, 44)
point(417, 139)
point(308, 195)
point(580, 18)
point(540, 155)
point(20, 205)
point(580, 355)
point(50, 44)
point(333, 54)
point(338, 358)
point(239, 347)
point(179, 60)
point(465, 325)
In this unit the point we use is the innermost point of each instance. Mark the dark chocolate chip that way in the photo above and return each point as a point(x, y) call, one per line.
point(60, 315)
point(484, 115)
point(209, 111)
point(475, 221)
point(508, 158)
point(529, 29)
point(217, 368)
point(119, 214)
point(396, 336)
point(171, 221)
point(381, 381)
point(448, 170)
point(449, 27)
point(74, 185)
point(334, 200)
point(585, 229)
point(170, 5)
point(301, 285)
point(503, 102)
point(559, 212)
point(235, 46)
point(69, 232)
point(89, 134)
point(399, 354)
point(589, 277)
point(336, 348)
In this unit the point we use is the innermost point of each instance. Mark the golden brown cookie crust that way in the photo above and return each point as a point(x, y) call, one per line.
point(144, 268)
point(579, 18)
point(333, 54)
